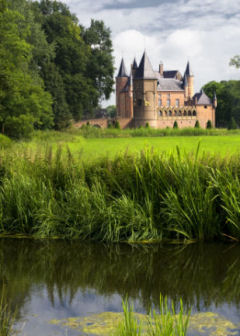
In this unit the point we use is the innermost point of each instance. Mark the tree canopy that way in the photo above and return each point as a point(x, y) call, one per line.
point(52, 69)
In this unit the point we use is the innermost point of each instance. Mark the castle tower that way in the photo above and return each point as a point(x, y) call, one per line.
point(185, 86)
point(190, 79)
point(121, 82)
point(144, 94)
point(215, 100)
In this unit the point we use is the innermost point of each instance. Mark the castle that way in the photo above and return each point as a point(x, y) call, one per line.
point(159, 98)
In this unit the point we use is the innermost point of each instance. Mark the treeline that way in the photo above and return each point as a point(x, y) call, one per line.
point(52, 69)
point(228, 109)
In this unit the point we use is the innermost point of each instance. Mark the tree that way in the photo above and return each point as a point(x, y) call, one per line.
point(232, 124)
point(100, 66)
point(209, 124)
point(21, 89)
point(197, 125)
point(228, 96)
point(175, 125)
point(111, 111)
point(117, 125)
point(235, 61)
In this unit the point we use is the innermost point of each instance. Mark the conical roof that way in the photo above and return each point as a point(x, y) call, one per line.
point(135, 66)
point(185, 81)
point(145, 70)
point(202, 98)
point(188, 70)
point(122, 70)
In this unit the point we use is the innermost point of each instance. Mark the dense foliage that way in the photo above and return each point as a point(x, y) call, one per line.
point(228, 96)
point(52, 69)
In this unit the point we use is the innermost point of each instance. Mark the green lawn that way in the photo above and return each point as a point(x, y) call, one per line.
point(97, 147)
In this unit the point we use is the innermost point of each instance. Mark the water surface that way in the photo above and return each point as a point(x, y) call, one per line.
point(45, 280)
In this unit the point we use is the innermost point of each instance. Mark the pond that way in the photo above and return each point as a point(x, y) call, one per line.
point(48, 282)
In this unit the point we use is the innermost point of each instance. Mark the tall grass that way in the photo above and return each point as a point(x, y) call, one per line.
point(93, 132)
point(164, 323)
point(138, 197)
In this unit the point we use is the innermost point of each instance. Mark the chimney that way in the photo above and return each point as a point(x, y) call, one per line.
point(161, 68)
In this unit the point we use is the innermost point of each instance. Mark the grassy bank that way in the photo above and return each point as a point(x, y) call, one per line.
point(138, 197)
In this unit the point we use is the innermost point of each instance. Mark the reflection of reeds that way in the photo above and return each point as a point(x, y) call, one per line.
point(164, 323)
point(7, 318)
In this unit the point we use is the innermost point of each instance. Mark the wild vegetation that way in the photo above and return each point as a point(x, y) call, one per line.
point(164, 323)
point(132, 197)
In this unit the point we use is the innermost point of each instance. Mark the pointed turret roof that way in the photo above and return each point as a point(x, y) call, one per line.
point(145, 70)
point(122, 70)
point(188, 70)
point(185, 81)
point(135, 66)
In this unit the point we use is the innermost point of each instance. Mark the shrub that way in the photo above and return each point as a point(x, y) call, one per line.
point(232, 124)
point(209, 124)
point(4, 141)
point(197, 125)
point(117, 125)
point(147, 125)
point(175, 125)
point(19, 127)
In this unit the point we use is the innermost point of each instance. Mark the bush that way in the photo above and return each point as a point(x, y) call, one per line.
point(4, 141)
point(175, 125)
point(117, 125)
point(209, 124)
point(232, 124)
point(197, 125)
point(147, 125)
point(19, 127)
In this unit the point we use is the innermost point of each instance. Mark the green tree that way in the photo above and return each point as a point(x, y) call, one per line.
point(100, 66)
point(209, 124)
point(232, 124)
point(197, 125)
point(111, 111)
point(21, 89)
point(175, 125)
point(235, 61)
point(228, 96)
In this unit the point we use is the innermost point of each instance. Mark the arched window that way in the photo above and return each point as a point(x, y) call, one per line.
point(170, 113)
point(159, 101)
point(177, 102)
point(189, 113)
point(185, 113)
point(160, 113)
point(168, 102)
point(194, 113)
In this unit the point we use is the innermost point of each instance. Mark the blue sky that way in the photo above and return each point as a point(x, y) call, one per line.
point(205, 32)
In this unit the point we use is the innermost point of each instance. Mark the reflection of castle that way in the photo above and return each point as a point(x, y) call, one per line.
point(160, 98)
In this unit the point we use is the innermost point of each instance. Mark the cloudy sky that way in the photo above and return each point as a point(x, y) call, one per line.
point(205, 32)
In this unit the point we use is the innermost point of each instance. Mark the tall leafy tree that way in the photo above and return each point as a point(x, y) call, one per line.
point(100, 66)
point(21, 92)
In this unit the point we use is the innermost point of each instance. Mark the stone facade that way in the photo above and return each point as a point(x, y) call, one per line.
point(160, 98)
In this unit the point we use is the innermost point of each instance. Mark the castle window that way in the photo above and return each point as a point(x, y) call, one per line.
point(168, 102)
point(139, 101)
point(159, 101)
point(170, 113)
point(194, 113)
point(177, 102)
point(189, 113)
point(160, 113)
point(185, 113)
point(205, 106)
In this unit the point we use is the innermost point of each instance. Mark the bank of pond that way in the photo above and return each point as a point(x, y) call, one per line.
point(142, 197)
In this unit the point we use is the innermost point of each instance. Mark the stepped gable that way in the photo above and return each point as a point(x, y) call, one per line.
point(145, 70)
point(122, 70)
point(202, 98)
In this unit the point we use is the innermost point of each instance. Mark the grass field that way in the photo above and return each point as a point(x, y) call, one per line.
point(93, 148)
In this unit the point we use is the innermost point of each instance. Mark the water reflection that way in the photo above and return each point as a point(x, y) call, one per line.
point(204, 275)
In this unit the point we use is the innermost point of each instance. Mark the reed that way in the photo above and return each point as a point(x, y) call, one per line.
point(164, 323)
point(133, 197)
point(7, 318)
